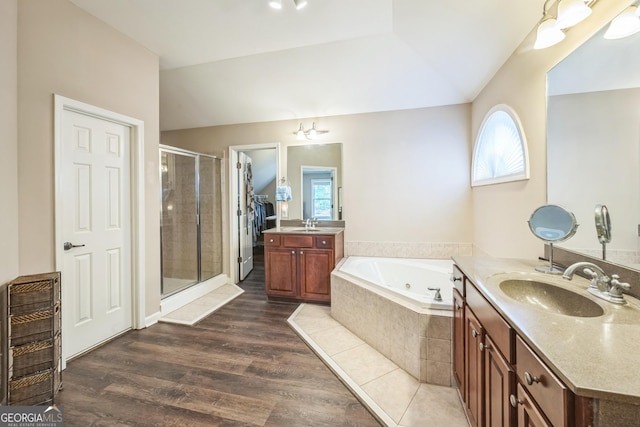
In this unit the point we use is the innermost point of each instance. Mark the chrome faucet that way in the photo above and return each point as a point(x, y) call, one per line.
point(310, 223)
point(599, 279)
point(608, 289)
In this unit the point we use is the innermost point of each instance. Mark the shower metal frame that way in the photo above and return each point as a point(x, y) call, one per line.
point(196, 156)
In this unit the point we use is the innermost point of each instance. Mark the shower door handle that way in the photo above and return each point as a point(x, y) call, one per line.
point(69, 245)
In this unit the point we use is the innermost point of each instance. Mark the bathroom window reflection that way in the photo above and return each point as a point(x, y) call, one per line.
point(322, 200)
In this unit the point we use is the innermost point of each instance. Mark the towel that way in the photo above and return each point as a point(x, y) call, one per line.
point(283, 193)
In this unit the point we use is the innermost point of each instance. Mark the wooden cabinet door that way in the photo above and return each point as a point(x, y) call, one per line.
point(458, 341)
point(499, 381)
point(474, 335)
point(528, 413)
point(315, 274)
point(280, 272)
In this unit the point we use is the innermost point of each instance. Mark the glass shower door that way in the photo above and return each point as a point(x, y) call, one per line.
point(179, 229)
point(210, 192)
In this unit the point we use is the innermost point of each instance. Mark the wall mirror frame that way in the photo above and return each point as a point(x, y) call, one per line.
point(314, 171)
point(593, 142)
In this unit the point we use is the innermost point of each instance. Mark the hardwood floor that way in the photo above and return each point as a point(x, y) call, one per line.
point(241, 366)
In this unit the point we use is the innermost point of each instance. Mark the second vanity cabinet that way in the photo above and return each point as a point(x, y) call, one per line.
point(500, 378)
point(298, 266)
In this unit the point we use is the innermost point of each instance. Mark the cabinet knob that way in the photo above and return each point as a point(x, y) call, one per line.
point(474, 333)
point(530, 379)
point(457, 279)
point(270, 240)
point(293, 252)
point(515, 401)
point(484, 346)
point(301, 252)
point(324, 242)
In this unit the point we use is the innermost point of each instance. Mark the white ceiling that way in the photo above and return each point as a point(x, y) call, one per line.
point(240, 61)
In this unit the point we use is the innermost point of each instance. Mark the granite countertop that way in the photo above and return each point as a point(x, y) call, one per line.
point(595, 357)
point(302, 230)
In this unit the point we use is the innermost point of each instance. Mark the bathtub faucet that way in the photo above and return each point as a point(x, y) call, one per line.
point(437, 296)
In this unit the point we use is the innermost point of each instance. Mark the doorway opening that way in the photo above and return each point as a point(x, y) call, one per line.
point(246, 219)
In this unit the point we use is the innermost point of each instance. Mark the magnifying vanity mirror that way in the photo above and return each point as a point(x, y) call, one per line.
point(593, 142)
point(552, 223)
point(603, 227)
point(314, 172)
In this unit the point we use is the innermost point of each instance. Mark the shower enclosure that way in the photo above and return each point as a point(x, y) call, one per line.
point(191, 218)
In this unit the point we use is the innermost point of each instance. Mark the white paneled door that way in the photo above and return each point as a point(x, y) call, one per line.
point(96, 228)
point(246, 211)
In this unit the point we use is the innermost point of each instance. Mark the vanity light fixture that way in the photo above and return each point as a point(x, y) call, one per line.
point(312, 133)
point(625, 24)
point(300, 3)
point(277, 4)
point(548, 34)
point(569, 13)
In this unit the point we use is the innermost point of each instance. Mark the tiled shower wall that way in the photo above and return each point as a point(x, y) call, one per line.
point(179, 208)
point(179, 232)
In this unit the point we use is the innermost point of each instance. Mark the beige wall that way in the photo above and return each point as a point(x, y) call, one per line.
point(63, 50)
point(406, 173)
point(8, 140)
point(500, 211)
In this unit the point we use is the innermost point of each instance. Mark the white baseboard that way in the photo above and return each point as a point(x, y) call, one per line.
point(174, 302)
point(152, 320)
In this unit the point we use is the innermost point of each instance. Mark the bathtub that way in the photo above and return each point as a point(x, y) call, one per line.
point(409, 279)
point(386, 303)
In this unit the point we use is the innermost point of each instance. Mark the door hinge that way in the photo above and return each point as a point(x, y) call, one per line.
point(238, 165)
point(239, 212)
point(239, 260)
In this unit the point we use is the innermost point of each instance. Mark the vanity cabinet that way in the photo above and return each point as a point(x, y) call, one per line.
point(458, 339)
point(528, 413)
point(298, 266)
point(474, 334)
point(499, 377)
point(537, 381)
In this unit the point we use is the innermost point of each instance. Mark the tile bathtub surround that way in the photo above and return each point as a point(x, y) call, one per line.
point(419, 343)
point(371, 376)
point(435, 250)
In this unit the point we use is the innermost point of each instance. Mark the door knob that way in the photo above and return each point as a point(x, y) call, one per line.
point(69, 245)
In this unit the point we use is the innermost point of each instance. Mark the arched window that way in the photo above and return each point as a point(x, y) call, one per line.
point(500, 152)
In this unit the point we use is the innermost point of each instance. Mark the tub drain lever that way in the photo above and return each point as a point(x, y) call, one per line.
point(437, 296)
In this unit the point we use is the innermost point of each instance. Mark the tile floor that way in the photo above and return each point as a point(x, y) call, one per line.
point(203, 306)
point(395, 397)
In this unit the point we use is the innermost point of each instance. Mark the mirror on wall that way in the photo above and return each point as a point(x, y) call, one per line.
point(593, 142)
point(314, 172)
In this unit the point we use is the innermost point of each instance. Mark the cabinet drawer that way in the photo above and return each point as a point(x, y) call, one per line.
point(28, 294)
point(457, 278)
point(324, 242)
point(271, 239)
point(549, 392)
point(297, 241)
point(499, 330)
